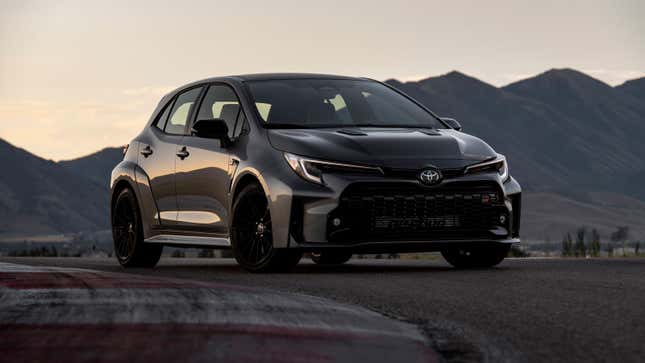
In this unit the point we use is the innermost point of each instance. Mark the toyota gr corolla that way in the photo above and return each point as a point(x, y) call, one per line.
point(277, 165)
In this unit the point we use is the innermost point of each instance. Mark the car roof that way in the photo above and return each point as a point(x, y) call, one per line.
point(273, 76)
point(258, 77)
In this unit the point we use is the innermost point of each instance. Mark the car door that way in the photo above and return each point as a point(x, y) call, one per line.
point(158, 153)
point(203, 173)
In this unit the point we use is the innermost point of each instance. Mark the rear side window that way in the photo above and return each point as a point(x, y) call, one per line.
point(161, 120)
point(181, 110)
point(221, 102)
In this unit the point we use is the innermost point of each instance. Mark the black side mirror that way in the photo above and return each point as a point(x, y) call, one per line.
point(215, 128)
point(454, 124)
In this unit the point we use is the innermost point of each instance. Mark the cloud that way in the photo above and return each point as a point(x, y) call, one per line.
point(62, 130)
point(68, 128)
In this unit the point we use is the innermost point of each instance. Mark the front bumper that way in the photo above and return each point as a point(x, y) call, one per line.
point(402, 222)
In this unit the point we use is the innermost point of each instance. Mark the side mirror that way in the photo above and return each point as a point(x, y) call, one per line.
point(215, 128)
point(454, 124)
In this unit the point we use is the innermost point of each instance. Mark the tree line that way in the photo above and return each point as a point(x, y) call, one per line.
point(588, 244)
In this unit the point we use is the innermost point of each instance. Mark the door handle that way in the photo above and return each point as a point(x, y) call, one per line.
point(183, 153)
point(147, 151)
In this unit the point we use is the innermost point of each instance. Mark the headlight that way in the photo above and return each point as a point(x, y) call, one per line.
point(498, 164)
point(312, 170)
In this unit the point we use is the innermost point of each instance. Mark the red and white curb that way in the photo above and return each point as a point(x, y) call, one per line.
point(53, 314)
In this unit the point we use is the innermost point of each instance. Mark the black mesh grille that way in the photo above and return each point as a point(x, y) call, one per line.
point(409, 212)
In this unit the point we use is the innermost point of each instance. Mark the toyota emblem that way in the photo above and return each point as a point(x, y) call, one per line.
point(430, 176)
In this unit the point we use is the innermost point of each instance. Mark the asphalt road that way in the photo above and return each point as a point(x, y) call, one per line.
point(568, 310)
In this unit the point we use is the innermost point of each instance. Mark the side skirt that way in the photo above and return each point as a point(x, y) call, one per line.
point(189, 241)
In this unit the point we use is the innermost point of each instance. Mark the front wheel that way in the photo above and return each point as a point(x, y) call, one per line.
point(476, 256)
point(252, 235)
point(127, 233)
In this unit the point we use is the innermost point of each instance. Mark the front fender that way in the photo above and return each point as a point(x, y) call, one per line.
point(278, 194)
point(130, 174)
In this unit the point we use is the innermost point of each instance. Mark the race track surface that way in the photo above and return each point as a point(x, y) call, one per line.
point(535, 310)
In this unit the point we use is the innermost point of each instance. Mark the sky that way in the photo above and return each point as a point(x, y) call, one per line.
point(77, 76)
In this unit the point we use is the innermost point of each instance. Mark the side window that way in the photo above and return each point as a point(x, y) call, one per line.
point(181, 110)
point(161, 120)
point(263, 109)
point(221, 102)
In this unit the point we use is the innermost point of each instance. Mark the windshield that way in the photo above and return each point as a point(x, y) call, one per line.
point(311, 103)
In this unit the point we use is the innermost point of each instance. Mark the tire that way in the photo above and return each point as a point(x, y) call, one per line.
point(476, 256)
point(331, 257)
point(252, 235)
point(127, 234)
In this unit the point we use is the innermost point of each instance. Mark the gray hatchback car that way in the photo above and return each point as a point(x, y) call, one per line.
point(277, 165)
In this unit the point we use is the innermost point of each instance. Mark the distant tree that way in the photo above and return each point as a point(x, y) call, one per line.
point(610, 249)
point(567, 245)
point(580, 250)
point(594, 246)
point(620, 234)
point(637, 248)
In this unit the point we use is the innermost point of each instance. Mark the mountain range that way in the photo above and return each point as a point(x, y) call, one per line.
point(43, 197)
point(573, 142)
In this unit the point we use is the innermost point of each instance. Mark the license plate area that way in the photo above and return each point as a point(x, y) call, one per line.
point(387, 223)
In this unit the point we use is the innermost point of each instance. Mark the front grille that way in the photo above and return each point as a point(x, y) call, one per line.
point(414, 173)
point(369, 212)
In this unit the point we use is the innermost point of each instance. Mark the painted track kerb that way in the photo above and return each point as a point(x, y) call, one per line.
point(62, 297)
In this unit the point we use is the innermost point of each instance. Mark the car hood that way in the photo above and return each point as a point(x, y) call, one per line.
point(400, 148)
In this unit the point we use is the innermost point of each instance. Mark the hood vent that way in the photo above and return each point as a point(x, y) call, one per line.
point(351, 132)
point(430, 132)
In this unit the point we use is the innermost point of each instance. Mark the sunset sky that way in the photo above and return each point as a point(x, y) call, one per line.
point(77, 76)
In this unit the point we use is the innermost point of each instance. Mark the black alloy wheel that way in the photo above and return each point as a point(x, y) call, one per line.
point(127, 234)
point(252, 234)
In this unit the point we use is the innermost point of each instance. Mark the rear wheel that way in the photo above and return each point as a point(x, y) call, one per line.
point(127, 234)
point(252, 235)
point(331, 257)
point(476, 256)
